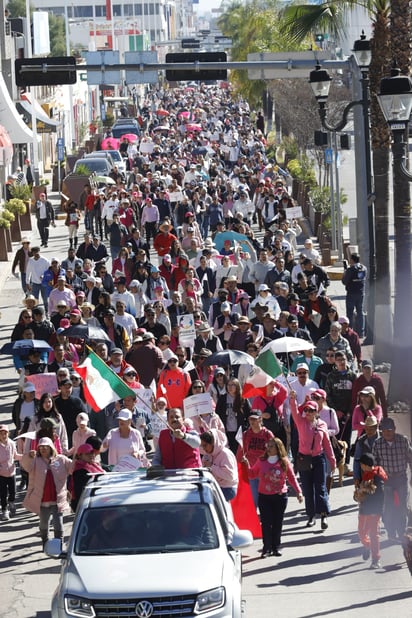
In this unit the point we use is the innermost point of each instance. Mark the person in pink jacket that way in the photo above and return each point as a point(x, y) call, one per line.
point(314, 442)
point(221, 462)
point(47, 491)
point(273, 470)
point(8, 455)
point(367, 406)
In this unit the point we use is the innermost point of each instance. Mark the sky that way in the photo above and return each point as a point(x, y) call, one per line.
point(205, 6)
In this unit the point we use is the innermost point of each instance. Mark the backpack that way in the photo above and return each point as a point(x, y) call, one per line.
point(274, 423)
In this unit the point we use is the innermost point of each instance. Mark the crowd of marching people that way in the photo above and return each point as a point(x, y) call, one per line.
point(191, 269)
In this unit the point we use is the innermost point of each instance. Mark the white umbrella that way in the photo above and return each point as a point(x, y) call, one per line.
point(29, 434)
point(284, 345)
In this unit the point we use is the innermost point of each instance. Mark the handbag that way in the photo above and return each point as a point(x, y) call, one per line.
point(303, 462)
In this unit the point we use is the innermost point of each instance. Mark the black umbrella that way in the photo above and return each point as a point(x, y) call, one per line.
point(227, 358)
point(87, 331)
point(199, 151)
point(23, 347)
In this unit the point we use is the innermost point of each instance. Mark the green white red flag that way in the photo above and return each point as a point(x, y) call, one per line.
point(101, 385)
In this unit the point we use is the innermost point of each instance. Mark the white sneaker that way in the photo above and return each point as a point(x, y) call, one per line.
point(5, 515)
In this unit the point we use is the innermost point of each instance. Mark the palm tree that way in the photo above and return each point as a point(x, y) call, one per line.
point(331, 16)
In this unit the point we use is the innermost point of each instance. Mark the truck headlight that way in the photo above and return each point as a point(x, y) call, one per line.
point(211, 599)
point(76, 606)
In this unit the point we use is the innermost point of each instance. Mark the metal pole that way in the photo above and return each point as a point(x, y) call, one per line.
point(370, 205)
point(332, 196)
point(35, 145)
point(337, 194)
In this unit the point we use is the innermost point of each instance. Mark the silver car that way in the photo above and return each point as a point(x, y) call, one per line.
point(148, 547)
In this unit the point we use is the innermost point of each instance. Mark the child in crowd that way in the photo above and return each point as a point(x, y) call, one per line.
point(80, 434)
point(369, 494)
point(8, 455)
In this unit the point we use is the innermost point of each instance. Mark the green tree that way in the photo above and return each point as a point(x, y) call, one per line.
point(253, 28)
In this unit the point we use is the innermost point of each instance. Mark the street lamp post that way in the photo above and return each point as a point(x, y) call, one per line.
point(395, 99)
point(320, 81)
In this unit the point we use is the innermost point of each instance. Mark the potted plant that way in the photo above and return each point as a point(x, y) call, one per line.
point(6, 219)
point(24, 193)
point(18, 208)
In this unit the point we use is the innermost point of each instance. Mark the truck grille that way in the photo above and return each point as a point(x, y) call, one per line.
point(172, 607)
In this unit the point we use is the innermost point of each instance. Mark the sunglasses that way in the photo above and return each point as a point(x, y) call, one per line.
point(301, 373)
point(309, 411)
point(130, 375)
point(316, 398)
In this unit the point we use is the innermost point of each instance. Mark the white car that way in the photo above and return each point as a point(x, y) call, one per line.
point(147, 546)
point(118, 160)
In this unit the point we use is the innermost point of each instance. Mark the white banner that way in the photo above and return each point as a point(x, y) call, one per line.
point(197, 404)
point(175, 196)
point(294, 213)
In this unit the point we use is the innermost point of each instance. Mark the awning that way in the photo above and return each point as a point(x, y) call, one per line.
point(6, 147)
point(44, 123)
point(10, 118)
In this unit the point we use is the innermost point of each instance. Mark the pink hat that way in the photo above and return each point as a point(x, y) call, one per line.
point(64, 323)
point(343, 320)
point(319, 392)
point(75, 311)
point(84, 448)
point(312, 405)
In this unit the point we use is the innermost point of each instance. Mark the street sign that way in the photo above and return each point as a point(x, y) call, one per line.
point(27, 76)
point(60, 148)
point(103, 59)
point(141, 77)
point(328, 156)
point(278, 73)
point(190, 44)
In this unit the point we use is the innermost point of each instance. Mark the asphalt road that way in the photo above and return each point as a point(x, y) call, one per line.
point(320, 573)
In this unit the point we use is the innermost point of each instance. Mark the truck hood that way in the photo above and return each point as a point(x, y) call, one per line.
point(145, 574)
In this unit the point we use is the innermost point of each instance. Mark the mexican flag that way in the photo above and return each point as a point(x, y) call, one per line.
point(256, 383)
point(101, 385)
point(268, 362)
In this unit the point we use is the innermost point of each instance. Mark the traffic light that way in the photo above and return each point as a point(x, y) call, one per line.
point(190, 74)
point(321, 138)
point(42, 76)
point(345, 141)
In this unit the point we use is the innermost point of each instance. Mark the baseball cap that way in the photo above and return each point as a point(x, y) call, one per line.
point(29, 388)
point(124, 415)
point(387, 423)
point(367, 363)
point(75, 311)
point(343, 320)
point(302, 366)
point(311, 405)
point(367, 390)
point(82, 418)
point(263, 288)
point(225, 307)
point(255, 414)
point(4, 428)
point(61, 278)
point(116, 351)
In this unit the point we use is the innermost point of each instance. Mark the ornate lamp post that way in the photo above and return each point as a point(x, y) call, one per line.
point(395, 99)
point(320, 81)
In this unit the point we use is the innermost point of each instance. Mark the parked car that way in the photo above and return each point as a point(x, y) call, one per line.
point(150, 545)
point(124, 126)
point(118, 160)
point(100, 153)
point(99, 165)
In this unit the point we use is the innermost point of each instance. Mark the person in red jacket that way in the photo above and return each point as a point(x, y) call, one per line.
point(174, 383)
point(369, 378)
point(178, 446)
point(163, 240)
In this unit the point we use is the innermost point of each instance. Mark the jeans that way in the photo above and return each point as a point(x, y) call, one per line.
point(314, 487)
point(395, 506)
point(38, 289)
point(254, 484)
point(272, 509)
point(45, 513)
point(354, 302)
point(43, 227)
point(7, 490)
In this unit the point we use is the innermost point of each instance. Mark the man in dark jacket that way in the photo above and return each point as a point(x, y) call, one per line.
point(354, 279)
point(45, 217)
